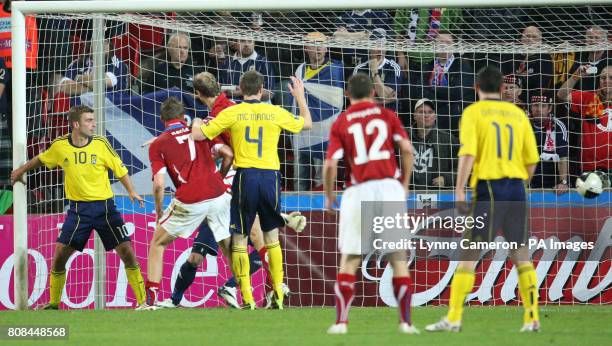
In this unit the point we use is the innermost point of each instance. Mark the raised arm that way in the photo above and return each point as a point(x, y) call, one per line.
point(297, 90)
point(71, 88)
point(565, 91)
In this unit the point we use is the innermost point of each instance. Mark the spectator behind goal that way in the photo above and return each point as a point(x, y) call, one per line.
point(435, 150)
point(448, 80)
point(176, 70)
point(551, 136)
point(79, 77)
point(324, 85)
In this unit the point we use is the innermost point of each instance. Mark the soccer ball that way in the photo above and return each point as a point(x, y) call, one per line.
point(591, 184)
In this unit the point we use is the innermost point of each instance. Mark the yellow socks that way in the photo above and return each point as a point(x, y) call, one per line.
point(528, 287)
point(275, 262)
point(461, 286)
point(56, 286)
point(241, 268)
point(136, 281)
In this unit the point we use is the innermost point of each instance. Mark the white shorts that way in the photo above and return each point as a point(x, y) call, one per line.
point(350, 228)
point(181, 219)
point(229, 180)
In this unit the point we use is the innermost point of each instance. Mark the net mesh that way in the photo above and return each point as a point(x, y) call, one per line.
point(418, 53)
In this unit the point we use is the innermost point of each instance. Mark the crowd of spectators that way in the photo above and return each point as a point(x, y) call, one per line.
point(567, 95)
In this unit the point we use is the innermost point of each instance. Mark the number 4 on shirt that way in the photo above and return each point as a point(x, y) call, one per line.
point(258, 139)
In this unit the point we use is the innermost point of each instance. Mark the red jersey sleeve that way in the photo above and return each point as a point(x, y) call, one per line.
point(335, 150)
point(158, 164)
point(397, 129)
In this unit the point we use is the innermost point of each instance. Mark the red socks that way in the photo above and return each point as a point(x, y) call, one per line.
point(345, 291)
point(151, 289)
point(402, 288)
point(264, 263)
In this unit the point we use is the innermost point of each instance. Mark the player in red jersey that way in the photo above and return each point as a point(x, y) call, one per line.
point(208, 92)
point(200, 191)
point(365, 135)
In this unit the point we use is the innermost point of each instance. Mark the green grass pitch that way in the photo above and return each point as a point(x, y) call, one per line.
point(561, 325)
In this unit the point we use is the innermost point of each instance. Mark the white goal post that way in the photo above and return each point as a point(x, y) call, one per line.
point(21, 9)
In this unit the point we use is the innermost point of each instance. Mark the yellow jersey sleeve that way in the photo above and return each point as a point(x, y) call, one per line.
point(287, 121)
point(468, 138)
point(530, 147)
point(112, 159)
point(220, 123)
point(51, 157)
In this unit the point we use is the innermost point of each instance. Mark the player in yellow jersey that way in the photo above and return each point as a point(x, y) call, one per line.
point(86, 159)
point(255, 129)
point(499, 149)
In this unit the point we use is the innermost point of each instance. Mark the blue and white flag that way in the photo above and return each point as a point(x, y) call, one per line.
point(325, 97)
point(131, 120)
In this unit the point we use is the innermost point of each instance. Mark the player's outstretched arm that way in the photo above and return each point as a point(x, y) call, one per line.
point(407, 161)
point(149, 142)
point(296, 88)
point(127, 183)
point(201, 130)
point(17, 174)
point(196, 130)
point(330, 170)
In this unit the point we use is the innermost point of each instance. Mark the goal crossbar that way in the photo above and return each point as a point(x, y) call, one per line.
point(20, 9)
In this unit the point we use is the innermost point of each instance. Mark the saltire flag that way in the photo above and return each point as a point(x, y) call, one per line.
point(131, 120)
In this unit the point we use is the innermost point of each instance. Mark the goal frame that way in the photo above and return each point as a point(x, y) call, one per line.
point(21, 9)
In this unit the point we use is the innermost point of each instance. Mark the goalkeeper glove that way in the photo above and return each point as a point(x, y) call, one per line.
point(295, 220)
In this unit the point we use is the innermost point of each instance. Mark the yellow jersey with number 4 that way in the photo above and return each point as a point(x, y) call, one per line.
point(85, 168)
point(500, 137)
point(255, 128)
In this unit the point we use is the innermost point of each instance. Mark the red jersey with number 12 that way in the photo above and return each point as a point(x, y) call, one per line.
point(188, 163)
point(364, 135)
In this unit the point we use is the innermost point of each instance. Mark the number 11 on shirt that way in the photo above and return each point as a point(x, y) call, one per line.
point(511, 135)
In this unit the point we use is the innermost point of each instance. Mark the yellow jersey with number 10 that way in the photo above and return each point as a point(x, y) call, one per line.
point(85, 168)
point(500, 137)
point(255, 128)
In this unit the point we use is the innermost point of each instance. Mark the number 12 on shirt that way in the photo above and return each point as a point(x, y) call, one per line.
point(374, 153)
point(258, 139)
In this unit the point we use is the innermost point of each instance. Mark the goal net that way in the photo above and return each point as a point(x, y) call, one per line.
point(423, 62)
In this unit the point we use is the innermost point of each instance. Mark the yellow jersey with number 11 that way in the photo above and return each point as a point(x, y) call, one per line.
point(500, 137)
